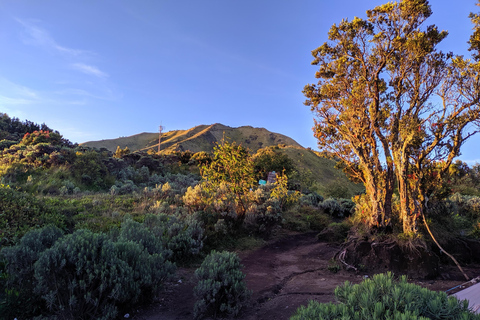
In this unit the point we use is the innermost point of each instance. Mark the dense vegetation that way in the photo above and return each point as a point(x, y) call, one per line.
point(385, 298)
point(68, 212)
point(395, 109)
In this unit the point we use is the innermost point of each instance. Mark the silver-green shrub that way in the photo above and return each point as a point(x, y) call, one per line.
point(89, 274)
point(20, 299)
point(383, 298)
point(83, 274)
point(221, 289)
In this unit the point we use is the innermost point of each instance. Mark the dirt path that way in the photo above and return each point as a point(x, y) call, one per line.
point(282, 275)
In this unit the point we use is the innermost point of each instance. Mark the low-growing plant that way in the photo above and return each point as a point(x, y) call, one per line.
point(182, 236)
point(333, 266)
point(311, 199)
point(384, 298)
point(220, 290)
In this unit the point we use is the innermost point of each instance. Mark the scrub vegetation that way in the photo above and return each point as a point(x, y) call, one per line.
point(91, 232)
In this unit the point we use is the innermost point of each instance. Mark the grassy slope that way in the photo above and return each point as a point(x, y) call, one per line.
point(320, 170)
point(200, 138)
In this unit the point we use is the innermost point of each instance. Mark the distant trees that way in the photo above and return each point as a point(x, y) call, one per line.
point(392, 107)
point(267, 160)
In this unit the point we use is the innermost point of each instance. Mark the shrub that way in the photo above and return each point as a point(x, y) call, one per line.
point(220, 290)
point(183, 237)
point(332, 207)
point(149, 270)
point(335, 232)
point(311, 199)
point(19, 299)
point(21, 212)
point(384, 298)
point(76, 276)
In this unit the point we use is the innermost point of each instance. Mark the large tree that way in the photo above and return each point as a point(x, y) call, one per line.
point(392, 107)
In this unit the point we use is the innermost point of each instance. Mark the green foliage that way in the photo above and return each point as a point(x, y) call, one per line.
point(335, 231)
point(90, 170)
point(333, 266)
point(376, 80)
point(13, 129)
point(19, 298)
point(220, 290)
point(41, 136)
point(176, 239)
point(384, 298)
point(21, 212)
point(311, 199)
point(337, 207)
point(75, 276)
point(305, 218)
point(184, 237)
point(267, 160)
point(120, 153)
point(231, 166)
point(282, 194)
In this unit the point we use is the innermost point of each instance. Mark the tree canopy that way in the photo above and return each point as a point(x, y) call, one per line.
point(394, 108)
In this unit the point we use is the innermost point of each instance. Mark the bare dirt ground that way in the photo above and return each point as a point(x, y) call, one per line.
point(282, 275)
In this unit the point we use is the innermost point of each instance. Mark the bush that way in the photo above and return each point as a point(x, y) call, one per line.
point(19, 299)
point(76, 276)
point(88, 274)
point(220, 290)
point(335, 232)
point(384, 298)
point(183, 237)
point(337, 207)
point(21, 212)
point(311, 199)
point(176, 239)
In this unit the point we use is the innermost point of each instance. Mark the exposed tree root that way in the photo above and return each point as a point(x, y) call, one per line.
point(442, 250)
point(341, 257)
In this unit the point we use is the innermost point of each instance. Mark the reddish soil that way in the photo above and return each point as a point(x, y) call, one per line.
point(283, 275)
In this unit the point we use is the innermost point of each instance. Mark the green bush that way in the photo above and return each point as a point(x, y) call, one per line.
point(183, 237)
point(83, 274)
point(335, 232)
point(21, 212)
point(311, 199)
point(220, 290)
point(19, 299)
point(384, 298)
point(175, 238)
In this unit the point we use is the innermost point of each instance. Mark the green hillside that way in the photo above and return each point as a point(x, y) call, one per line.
point(320, 173)
point(199, 138)
point(316, 172)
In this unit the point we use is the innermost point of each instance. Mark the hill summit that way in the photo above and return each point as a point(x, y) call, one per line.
point(196, 139)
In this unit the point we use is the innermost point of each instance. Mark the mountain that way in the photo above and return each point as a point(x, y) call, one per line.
point(199, 138)
point(318, 172)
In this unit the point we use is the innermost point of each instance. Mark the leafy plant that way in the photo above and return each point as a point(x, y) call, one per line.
point(20, 299)
point(220, 290)
point(384, 298)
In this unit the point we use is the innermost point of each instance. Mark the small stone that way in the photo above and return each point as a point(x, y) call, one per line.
point(180, 281)
point(127, 315)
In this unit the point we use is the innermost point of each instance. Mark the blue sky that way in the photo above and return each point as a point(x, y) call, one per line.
point(104, 69)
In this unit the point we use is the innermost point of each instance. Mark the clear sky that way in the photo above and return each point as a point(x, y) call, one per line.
point(104, 69)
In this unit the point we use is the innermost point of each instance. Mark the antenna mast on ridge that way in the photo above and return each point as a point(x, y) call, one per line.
point(160, 136)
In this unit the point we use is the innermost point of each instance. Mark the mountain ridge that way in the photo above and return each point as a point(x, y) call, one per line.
point(199, 138)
